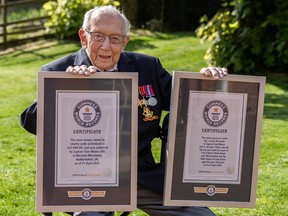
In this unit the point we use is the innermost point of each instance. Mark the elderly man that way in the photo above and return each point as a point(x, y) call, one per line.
point(104, 35)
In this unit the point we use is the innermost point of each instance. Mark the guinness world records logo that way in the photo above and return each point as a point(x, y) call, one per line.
point(86, 194)
point(211, 190)
point(215, 113)
point(87, 113)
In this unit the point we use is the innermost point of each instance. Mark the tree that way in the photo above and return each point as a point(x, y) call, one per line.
point(66, 15)
point(248, 35)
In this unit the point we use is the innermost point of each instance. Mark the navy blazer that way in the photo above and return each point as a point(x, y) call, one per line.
point(151, 76)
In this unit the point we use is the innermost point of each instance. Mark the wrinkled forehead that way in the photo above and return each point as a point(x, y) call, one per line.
point(107, 19)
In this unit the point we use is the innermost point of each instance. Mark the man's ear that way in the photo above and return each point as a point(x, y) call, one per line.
point(83, 38)
point(125, 41)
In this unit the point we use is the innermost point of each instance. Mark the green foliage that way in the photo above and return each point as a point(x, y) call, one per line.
point(248, 36)
point(23, 13)
point(179, 51)
point(66, 15)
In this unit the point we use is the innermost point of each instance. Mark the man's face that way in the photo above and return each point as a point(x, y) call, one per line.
point(106, 54)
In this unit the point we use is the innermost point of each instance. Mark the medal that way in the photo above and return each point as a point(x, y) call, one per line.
point(148, 114)
point(139, 103)
point(146, 91)
point(152, 101)
point(144, 102)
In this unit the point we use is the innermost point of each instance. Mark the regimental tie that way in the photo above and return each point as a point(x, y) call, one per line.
point(147, 100)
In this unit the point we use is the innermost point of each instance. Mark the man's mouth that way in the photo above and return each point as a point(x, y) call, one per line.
point(105, 56)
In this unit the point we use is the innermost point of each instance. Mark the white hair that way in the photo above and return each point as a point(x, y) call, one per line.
point(95, 12)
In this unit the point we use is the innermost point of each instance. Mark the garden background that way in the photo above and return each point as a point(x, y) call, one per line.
point(19, 66)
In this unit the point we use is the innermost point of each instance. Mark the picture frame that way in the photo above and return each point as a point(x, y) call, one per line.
point(87, 142)
point(214, 140)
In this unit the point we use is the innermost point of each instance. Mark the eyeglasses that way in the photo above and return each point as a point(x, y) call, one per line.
point(98, 37)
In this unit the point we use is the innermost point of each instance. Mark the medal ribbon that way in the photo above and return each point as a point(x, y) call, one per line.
point(149, 91)
point(146, 90)
point(142, 90)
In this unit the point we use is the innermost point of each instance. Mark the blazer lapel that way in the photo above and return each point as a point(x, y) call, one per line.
point(82, 58)
point(125, 63)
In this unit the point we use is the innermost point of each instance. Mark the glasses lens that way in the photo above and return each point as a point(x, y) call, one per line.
point(116, 39)
point(97, 37)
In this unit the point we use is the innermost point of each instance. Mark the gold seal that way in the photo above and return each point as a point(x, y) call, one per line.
point(148, 114)
point(86, 194)
point(211, 190)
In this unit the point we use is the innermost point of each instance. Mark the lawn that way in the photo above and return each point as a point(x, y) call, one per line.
point(178, 51)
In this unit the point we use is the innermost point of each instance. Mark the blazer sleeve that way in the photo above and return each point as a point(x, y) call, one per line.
point(164, 80)
point(28, 118)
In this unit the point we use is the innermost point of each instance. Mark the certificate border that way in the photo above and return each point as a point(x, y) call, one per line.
point(59, 199)
point(242, 122)
point(222, 195)
point(117, 136)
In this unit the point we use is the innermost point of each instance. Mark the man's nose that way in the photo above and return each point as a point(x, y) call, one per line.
point(106, 43)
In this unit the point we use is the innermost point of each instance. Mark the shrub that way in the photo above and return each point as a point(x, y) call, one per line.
point(66, 16)
point(248, 35)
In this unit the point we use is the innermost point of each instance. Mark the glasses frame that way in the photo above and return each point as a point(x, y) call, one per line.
point(102, 37)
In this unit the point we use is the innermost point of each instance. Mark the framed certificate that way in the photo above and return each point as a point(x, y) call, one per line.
point(86, 142)
point(213, 141)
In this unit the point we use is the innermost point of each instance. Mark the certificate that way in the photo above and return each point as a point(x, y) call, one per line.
point(87, 142)
point(87, 145)
point(213, 140)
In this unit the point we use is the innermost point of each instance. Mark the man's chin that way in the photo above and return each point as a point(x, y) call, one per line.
point(104, 66)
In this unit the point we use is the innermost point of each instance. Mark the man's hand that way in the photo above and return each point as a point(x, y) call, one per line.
point(215, 72)
point(81, 70)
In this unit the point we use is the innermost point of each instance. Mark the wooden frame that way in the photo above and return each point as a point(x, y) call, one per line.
point(87, 142)
point(214, 162)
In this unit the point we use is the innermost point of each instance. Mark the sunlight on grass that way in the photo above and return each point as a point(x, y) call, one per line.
point(178, 51)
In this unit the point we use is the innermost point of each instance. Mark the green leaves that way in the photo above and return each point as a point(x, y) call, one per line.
point(66, 16)
point(248, 36)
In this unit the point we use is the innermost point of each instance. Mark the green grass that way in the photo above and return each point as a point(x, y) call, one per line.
point(23, 11)
point(179, 51)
